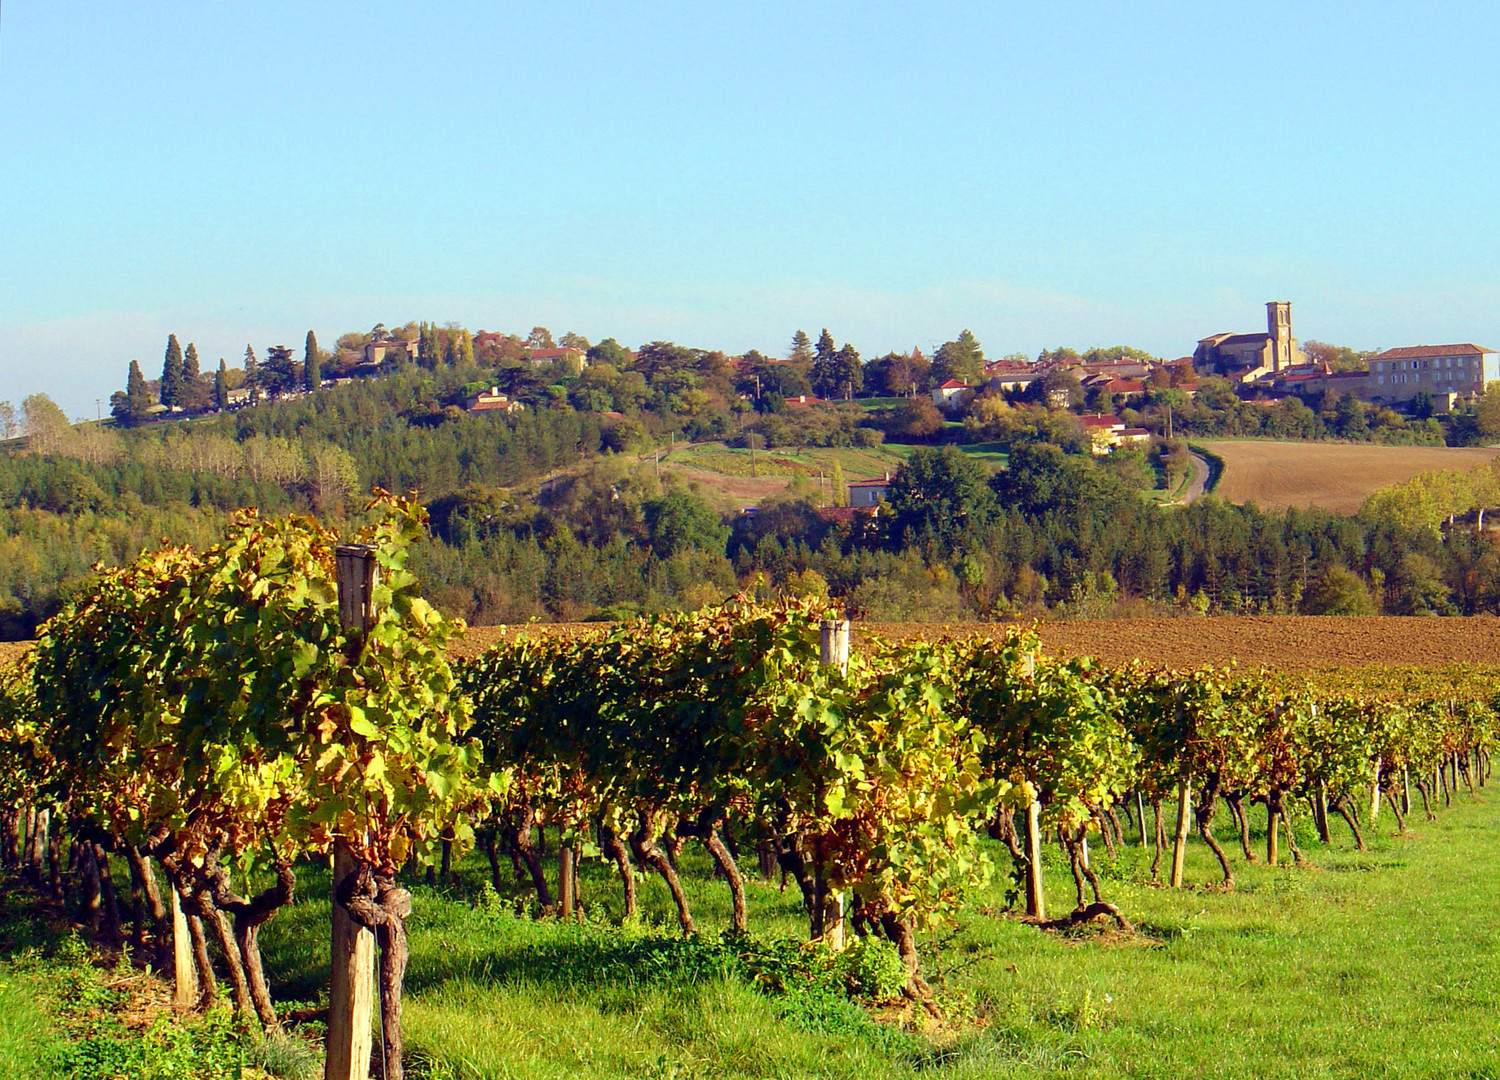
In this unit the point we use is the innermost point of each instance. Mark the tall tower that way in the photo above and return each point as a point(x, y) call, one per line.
point(1279, 327)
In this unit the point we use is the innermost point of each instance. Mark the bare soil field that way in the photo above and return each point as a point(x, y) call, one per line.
point(1286, 643)
point(1283, 642)
point(1337, 476)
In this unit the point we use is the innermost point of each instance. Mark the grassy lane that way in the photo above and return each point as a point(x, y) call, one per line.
point(1376, 964)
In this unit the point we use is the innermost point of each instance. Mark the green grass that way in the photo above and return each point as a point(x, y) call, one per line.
point(1373, 964)
point(857, 463)
point(1377, 964)
point(993, 452)
point(28, 1037)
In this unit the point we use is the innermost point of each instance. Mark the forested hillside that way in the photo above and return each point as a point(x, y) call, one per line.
point(557, 506)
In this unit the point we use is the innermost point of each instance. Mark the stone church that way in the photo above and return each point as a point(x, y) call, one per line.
point(1252, 354)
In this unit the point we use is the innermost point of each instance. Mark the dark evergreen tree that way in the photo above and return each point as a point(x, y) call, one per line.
point(134, 405)
point(311, 365)
point(171, 374)
point(221, 387)
point(836, 372)
point(281, 372)
point(252, 374)
point(429, 347)
point(801, 348)
point(962, 359)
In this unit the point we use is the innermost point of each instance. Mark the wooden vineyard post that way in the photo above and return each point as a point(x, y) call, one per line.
point(184, 970)
point(1273, 833)
point(565, 880)
point(352, 955)
point(834, 641)
point(351, 987)
point(1036, 895)
point(1140, 809)
point(1179, 839)
point(1375, 794)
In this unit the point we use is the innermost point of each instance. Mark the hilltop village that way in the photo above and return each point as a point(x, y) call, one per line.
point(569, 479)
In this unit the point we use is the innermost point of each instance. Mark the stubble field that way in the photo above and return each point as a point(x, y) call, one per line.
point(1337, 476)
point(1284, 642)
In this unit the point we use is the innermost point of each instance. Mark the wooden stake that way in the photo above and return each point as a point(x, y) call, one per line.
point(351, 987)
point(830, 920)
point(835, 643)
point(184, 969)
point(352, 947)
point(1036, 896)
point(1179, 840)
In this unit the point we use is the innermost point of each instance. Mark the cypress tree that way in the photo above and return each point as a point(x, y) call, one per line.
point(221, 386)
point(311, 375)
point(136, 403)
point(252, 373)
point(171, 374)
point(429, 352)
point(192, 385)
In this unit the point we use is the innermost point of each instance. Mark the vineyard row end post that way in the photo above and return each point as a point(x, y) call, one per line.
point(352, 959)
point(834, 643)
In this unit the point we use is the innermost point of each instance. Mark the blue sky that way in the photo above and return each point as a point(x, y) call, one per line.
point(721, 175)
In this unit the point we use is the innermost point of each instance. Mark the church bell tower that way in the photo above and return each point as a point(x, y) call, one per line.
point(1279, 327)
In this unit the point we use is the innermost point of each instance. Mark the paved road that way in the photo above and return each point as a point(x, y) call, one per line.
point(1196, 485)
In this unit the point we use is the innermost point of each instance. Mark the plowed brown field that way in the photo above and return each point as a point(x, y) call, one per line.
point(1287, 643)
point(1337, 476)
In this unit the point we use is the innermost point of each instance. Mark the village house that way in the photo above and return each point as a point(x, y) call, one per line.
point(953, 394)
point(376, 352)
point(575, 358)
point(491, 400)
point(1106, 432)
point(868, 493)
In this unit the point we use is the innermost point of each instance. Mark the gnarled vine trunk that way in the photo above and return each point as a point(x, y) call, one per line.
point(648, 853)
point(1203, 813)
point(613, 847)
point(382, 905)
